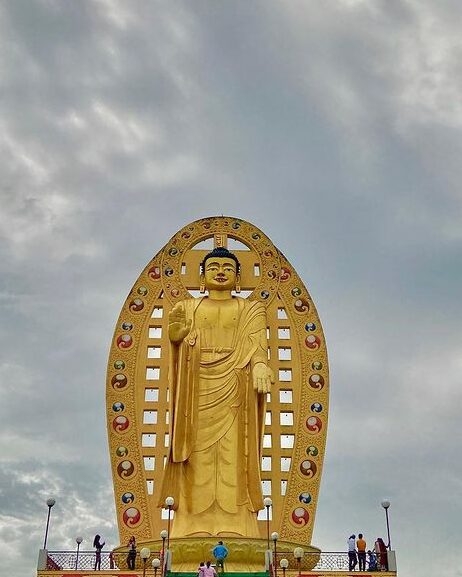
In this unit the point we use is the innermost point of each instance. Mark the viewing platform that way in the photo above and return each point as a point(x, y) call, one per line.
point(326, 564)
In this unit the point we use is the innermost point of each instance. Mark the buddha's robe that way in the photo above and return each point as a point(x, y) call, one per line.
point(213, 467)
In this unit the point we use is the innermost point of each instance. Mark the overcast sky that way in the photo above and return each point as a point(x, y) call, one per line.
point(333, 126)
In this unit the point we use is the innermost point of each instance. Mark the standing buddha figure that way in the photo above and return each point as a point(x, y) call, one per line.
point(218, 380)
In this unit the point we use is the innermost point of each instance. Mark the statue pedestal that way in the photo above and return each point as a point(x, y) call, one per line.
point(246, 555)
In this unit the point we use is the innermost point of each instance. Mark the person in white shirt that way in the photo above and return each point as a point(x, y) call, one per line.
point(352, 558)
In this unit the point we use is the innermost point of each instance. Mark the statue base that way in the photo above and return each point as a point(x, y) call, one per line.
point(246, 555)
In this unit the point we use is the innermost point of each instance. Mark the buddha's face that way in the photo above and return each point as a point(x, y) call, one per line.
point(220, 273)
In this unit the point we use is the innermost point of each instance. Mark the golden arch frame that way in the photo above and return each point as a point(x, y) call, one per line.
point(137, 387)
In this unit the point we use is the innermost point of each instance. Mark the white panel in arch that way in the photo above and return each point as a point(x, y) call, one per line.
point(285, 375)
point(148, 439)
point(154, 352)
point(282, 315)
point(283, 333)
point(285, 396)
point(152, 373)
point(151, 395)
point(155, 332)
point(284, 353)
point(149, 463)
point(287, 441)
point(266, 487)
point(285, 464)
point(286, 419)
point(266, 463)
point(150, 417)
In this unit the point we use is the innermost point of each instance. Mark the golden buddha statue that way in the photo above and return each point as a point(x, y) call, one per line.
point(218, 379)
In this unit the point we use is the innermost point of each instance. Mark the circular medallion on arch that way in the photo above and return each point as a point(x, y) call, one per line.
point(305, 498)
point(124, 341)
point(285, 274)
point(312, 342)
point(131, 517)
point(119, 381)
point(316, 381)
point(120, 424)
point(118, 407)
point(313, 425)
point(128, 497)
point(301, 305)
point(312, 451)
point(316, 407)
point(119, 365)
point(308, 468)
point(300, 516)
point(154, 272)
point(125, 469)
point(136, 305)
point(126, 326)
point(121, 451)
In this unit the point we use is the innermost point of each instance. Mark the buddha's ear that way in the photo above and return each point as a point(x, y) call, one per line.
point(202, 283)
point(238, 283)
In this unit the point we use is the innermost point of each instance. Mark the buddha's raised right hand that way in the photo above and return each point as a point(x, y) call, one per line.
point(178, 326)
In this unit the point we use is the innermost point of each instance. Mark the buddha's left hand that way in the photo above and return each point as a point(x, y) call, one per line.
point(262, 378)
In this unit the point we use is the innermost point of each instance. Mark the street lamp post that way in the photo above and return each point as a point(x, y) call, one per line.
point(267, 502)
point(155, 565)
point(275, 537)
point(386, 504)
point(169, 502)
point(163, 536)
point(145, 553)
point(298, 554)
point(50, 503)
point(284, 563)
point(78, 540)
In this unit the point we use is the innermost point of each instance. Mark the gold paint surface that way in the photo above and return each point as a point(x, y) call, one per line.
point(137, 378)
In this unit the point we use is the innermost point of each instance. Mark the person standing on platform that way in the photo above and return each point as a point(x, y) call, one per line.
point(372, 560)
point(220, 552)
point(361, 547)
point(352, 559)
point(382, 554)
point(99, 547)
point(208, 570)
point(131, 557)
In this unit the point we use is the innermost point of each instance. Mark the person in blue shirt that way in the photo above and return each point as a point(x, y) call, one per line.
point(372, 560)
point(220, 552)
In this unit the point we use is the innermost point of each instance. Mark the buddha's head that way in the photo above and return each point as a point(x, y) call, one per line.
point(220, 270)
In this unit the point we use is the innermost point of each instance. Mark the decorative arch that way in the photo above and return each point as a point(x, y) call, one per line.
point(137, 385)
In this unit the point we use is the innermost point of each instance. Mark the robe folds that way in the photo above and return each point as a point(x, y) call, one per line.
point(217, 422)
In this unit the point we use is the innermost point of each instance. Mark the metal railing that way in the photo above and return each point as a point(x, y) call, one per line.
point(70, 560)
point(313, 561)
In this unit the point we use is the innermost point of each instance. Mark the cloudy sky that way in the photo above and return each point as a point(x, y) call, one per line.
point(333, 126)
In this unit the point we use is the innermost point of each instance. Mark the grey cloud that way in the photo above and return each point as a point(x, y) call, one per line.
point(336, 129)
